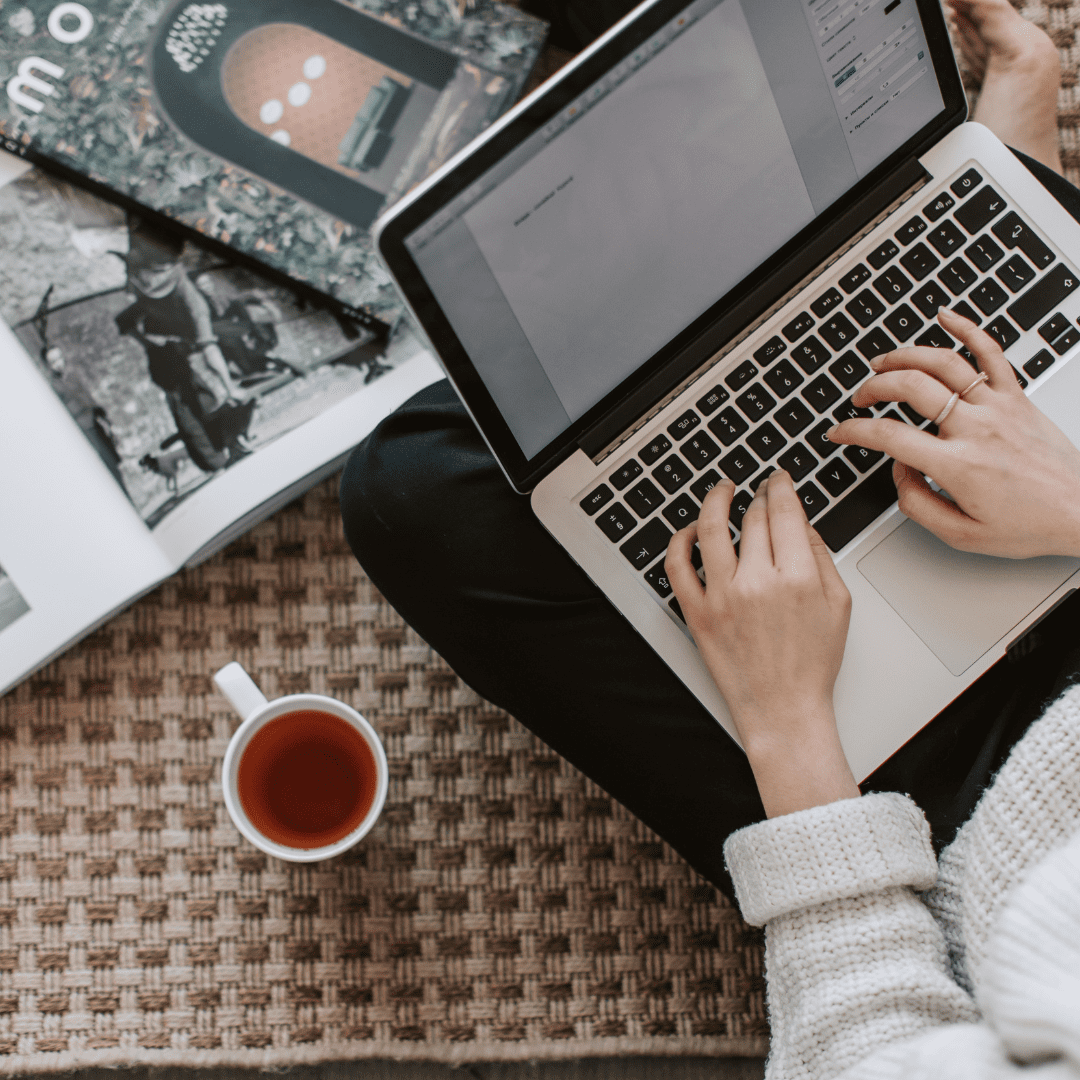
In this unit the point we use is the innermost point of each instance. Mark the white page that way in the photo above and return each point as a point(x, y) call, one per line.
point(71, 545)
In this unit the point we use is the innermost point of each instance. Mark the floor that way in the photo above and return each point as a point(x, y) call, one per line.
point(593, 1069)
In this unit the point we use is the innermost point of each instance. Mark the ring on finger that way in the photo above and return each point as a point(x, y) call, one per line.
point(981, 379)
point(949, 406)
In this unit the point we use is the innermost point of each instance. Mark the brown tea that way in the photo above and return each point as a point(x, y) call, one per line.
point(307, 779)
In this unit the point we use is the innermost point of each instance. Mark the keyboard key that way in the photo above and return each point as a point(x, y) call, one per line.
point(793, 417)
point(740, 503)
point(893, 415)
point(966, 184)
point(910, 229)
point(847, 411)
point(648, 542)
point(929, 297)
point(854, 278)
point(822, 393)
point(984, 253)
point(839, 331)
point(643, 498)
point(919, 261)
point(728, 426)
point(1054, 328)
point(770, 350)
point(596, 499)
point(877, 259)
point(616, 522)
point(876, 343)
point(1067, 341)
point(939, 207)
point(946, 238)
point(782, 379)
point(1043, 296)
point(965, 309)
point(761, 478)
point(712, 400)
point(826, 302)
point(893, 284)
point(1015, 273)
point(988, 296)
point(672, 474)
point(741, 375)
point(848, 370)
point(813, 499)
point(656, 449)
point(682, 512)
point(1039, 363)
point(935, 338)
point(699, 450)
point(957, 277)
point(858, 508)
point(810, 354)
point(1021, 381)
point(657, 578)
point(766, 441)
point(978, 211)
point(818, 443)
point(756, 402)
point(684, 424)
point(835, 478)
point(1003, 331)
point(865, 308)
point(798, 326)
point(862, 458)
point(623, 476)
point(674, 605)
point(916, 418)
point(1014, 232)
point(739, 465)
point(704, 484)
point(903, 322)
point(798, 461)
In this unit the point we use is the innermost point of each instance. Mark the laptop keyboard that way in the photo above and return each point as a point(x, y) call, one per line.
point(965, 248)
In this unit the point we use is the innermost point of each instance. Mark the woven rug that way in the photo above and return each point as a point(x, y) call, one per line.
point(503, 908)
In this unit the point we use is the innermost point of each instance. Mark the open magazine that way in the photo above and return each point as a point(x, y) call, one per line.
point(278, 127)
point(155, 401)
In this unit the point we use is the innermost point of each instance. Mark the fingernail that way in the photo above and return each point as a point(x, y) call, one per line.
point(877, 362)
point(832, 431)
point(953, 315)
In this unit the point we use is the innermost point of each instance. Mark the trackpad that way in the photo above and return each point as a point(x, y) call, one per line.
point(958, 603)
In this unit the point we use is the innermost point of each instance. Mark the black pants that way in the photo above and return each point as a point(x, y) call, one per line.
point(462, 558)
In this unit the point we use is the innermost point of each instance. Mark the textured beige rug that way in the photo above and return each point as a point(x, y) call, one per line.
point(504, 907)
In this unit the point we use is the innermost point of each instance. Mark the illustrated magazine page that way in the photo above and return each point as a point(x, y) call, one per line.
point(281, 127)
point(197, 395)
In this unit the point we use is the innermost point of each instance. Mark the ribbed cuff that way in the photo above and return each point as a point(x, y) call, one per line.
point(832, 852)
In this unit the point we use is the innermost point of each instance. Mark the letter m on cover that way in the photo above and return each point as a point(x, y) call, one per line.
point(25, 80)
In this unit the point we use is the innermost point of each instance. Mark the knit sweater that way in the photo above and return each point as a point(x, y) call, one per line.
point(886, 964)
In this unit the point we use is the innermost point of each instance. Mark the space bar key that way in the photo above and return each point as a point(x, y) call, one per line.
point(855, 511)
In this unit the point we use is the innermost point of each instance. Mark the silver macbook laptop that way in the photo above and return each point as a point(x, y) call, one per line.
point(673, 261)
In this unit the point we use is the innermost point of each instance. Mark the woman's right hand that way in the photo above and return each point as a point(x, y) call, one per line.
point(1013, 476)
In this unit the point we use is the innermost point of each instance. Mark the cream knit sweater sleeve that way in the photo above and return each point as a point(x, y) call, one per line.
point(856, 962)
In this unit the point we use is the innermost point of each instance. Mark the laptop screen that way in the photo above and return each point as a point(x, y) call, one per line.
point(648, 198)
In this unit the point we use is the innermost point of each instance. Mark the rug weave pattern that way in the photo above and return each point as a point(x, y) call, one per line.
point(504, 907)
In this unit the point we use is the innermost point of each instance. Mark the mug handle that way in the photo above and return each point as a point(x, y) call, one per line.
point(237, 685)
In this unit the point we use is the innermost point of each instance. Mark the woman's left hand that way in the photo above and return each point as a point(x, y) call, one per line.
point(771, 626)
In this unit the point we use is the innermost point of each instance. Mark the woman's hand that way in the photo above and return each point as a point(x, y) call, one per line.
point(1013, 476)
point(771, 626)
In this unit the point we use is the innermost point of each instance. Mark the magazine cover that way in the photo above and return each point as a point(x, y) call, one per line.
point(280, 127)
point(174, 364)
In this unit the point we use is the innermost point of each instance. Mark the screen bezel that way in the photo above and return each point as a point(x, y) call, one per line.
point(524, 473)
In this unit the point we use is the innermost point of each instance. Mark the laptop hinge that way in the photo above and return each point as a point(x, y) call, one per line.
point(737, 324)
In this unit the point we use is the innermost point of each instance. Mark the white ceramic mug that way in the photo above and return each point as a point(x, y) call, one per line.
point(248, 700)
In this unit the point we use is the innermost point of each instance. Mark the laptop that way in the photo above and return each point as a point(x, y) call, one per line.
point(673, 261)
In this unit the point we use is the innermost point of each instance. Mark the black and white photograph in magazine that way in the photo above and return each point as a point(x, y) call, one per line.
point(175, 364)
point(12, 602)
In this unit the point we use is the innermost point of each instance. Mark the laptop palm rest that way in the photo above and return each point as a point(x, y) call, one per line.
point(958, 603)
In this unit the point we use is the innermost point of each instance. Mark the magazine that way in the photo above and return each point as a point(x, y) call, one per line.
point(279, 127)
point(157, 401)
